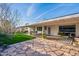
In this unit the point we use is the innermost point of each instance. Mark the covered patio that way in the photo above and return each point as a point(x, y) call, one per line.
point(54, 26)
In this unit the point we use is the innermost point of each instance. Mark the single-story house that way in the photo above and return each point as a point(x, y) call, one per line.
point(68, 24)
point(23, 29)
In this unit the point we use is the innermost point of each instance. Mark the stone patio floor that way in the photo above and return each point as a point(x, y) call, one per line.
point(40, 47)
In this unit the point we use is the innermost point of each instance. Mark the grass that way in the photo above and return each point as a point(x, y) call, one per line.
point(12, 39)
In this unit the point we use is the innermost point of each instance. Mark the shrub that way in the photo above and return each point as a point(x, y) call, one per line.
point(43, 35)
point(61, 33)
point(4, 37)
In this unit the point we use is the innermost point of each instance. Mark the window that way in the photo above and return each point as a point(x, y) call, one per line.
point(39, 28)
point(45, 27)
point(67, 28)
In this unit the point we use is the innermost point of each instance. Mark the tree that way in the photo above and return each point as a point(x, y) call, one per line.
point(15, 19)
point(26, 24)
point(9, 19)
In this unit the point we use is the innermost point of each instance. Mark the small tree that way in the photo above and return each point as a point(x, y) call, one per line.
point(9, 19)
point(15, 19)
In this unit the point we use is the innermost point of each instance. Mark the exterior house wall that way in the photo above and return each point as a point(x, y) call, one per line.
point(77, 29)
point(35, 28)
point(54, 30)
point(32, 30)
point(46, 31)
point(29, 31)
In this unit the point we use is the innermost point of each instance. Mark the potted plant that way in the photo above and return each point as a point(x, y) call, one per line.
point(77, 39)
point(43, 35)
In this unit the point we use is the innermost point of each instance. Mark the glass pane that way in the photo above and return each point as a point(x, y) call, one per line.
point(39, 28)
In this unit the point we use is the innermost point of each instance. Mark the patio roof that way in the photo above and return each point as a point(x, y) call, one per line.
point(64, 20)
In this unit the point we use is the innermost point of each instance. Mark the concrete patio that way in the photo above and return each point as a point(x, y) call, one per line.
point(40, 47)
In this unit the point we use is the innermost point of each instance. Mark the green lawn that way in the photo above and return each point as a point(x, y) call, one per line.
point(12, 39)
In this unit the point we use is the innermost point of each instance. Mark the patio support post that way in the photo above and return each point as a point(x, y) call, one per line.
point(42, 32)
point(35, 32)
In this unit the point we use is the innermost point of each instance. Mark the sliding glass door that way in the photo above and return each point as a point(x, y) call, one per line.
point(69, 29)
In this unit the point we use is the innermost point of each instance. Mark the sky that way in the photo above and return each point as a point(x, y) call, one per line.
point(35, 12)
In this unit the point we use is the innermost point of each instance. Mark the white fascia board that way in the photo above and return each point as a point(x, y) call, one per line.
point(60, 18)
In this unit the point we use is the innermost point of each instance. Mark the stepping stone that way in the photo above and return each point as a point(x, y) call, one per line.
point(52, 53)
point(59, 53)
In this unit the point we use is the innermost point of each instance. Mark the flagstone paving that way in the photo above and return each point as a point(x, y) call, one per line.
point(40, 47)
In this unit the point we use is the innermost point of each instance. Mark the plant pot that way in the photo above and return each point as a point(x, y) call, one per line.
point(77, 40)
